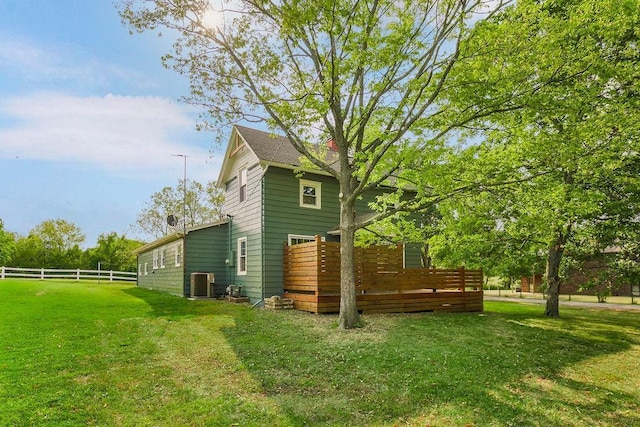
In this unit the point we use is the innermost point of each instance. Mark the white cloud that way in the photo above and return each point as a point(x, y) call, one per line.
point(120, 134)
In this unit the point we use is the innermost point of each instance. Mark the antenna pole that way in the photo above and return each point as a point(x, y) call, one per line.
point(184, 192)
point(184, 222)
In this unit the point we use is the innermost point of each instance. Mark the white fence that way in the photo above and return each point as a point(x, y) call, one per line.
point(49, 273)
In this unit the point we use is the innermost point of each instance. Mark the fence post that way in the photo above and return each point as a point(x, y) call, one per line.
point(42, 274)
point(2, 277)
point(111, 275)
point(463, 280)
point(77, 275)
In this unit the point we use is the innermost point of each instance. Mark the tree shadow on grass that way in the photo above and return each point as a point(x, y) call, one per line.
point(163, 304)
point(508, 367)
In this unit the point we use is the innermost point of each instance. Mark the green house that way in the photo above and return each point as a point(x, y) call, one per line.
point(271, 200)
point(167, 264)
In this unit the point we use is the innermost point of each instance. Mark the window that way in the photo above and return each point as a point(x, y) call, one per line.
point(242, 182)
point(155, 259)
point(310, 194)
point(163, 257)
point(145, 268)
point(178, 254)
point(295, 239)
point(242, 256)
point(139, 269)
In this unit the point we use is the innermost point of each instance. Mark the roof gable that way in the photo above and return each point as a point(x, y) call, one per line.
point(269, 149)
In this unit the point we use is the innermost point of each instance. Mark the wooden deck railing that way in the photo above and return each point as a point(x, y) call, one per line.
point(312, 281)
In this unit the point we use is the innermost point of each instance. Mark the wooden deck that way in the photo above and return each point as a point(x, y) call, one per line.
point(312, 281)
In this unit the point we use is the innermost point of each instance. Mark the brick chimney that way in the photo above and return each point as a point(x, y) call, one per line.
point(332, 145)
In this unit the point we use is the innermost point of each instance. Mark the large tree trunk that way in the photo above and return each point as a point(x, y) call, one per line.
point(349, 316)
point(554, 257)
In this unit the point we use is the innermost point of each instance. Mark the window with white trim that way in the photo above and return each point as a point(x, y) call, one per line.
point(163, 257)
point(155, 259)
point(146, 270)
point(178, 255)
point(242, 184)
point(296, 239)
point(139, 269)
point(242, 256)
point(310, 194)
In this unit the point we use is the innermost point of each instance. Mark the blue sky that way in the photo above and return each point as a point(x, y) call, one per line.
point(89, 118)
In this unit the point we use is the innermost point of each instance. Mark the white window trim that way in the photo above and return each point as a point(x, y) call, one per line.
point(246, 261)
point(242, 170)
point(140, 270)
point(178, 255)
point(163, 257)
point(315, 184)
point(155, 259)
point(290, 237)
point(146, 270)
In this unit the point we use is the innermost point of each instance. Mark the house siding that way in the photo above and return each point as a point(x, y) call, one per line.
point(205, 253)
point(246, 222)
point(167, 279)
point(284, 215)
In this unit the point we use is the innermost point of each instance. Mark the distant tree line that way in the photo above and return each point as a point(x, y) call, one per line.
point(56, 243)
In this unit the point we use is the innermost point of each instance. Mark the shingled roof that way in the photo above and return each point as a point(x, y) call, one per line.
point(269, 147)
point(277, 149)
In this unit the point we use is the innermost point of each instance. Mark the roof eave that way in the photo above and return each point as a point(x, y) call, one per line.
point(266, 164)
point(158, 242)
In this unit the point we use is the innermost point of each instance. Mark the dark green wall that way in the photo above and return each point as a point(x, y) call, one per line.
point(283, 215)
point(206, 253)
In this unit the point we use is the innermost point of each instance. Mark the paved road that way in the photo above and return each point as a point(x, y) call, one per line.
point(603, 306)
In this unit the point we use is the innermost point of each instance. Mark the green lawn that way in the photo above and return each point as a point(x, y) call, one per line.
point(83, 354)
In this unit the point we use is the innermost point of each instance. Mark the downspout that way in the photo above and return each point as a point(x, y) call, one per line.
point(230, 250)
point(184, 265)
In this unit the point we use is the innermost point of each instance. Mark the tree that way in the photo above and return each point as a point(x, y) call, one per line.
point(54, 243)
point(572, 146)
point(203, 203)
point(371, 75)
point(7, 245)
point(114, 252)
point(478, 231)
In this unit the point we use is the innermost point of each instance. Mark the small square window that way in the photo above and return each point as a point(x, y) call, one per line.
point(310, 194)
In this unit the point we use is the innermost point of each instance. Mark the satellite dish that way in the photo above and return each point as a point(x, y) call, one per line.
point(172, 220)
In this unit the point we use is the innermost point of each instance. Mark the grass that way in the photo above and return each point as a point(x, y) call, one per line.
point(82, 354)
point(623, 300)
